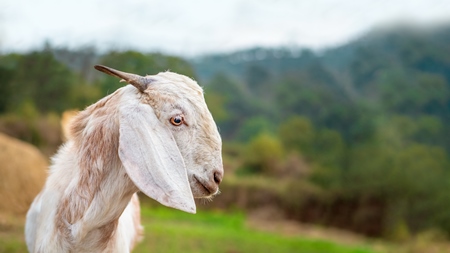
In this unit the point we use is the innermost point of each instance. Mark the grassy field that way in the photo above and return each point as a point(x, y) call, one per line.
point(11, 234)
point(168, 230)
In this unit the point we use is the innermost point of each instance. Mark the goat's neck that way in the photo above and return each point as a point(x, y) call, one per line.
point(90, 208)
point(101, 189)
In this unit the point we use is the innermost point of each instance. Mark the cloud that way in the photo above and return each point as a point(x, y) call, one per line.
point(200, 26)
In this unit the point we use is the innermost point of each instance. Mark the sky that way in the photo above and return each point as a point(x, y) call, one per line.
point(197, 27)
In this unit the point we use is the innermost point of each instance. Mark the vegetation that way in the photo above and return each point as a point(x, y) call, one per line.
point(367, 122)
point(219, 232)
point(204, 232)
point(358, 135)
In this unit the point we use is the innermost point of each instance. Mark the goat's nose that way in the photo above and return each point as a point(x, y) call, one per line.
point(218, 175)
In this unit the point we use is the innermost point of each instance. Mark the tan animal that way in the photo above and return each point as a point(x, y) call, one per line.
point(156, 136)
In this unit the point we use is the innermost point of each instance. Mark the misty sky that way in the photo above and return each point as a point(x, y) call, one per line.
point(199, 26)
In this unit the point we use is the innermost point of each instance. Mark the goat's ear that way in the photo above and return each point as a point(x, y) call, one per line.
point(152, 159)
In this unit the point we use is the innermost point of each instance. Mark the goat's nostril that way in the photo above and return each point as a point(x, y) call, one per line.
point(217, 177)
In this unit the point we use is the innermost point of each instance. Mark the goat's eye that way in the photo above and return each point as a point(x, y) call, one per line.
point(177, 120)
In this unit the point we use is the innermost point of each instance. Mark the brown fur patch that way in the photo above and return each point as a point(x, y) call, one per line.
point(107, 232)
point(95, 135)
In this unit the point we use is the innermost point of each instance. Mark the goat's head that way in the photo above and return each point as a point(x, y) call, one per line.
point(169, 143)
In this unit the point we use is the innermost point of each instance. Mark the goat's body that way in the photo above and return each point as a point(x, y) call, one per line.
point(125, 236)
point(86, 206)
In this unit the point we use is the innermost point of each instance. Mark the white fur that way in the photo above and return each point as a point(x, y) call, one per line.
point(120, 145)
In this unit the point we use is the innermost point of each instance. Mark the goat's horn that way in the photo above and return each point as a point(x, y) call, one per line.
point(140, 82)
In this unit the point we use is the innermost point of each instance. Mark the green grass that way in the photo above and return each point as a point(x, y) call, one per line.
point(12, 235)
point(168, 230)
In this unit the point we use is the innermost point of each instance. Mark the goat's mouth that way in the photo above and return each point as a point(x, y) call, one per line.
point(206, 190)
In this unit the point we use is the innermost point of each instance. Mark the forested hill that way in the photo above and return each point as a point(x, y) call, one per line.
point(416, 48)
point(371, 118)
point(396, 71)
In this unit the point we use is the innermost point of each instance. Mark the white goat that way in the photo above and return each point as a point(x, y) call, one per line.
point(155, 135)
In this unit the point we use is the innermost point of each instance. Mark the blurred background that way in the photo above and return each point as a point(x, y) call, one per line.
point(335, 115)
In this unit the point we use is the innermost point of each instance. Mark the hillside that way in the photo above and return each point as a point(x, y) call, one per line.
point(368, 72)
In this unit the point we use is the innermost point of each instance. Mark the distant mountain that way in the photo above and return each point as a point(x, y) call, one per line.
point(420, 48)
point(402, 70)
point(277, 60)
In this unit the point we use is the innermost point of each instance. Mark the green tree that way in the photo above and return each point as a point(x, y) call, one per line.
point(298, 133)
point(234, 102)
point(329, 148)
point(253, 127)
point(264, 154)
point(216, 105)
point(5, 88)
point(38, 77)
point(258, 80)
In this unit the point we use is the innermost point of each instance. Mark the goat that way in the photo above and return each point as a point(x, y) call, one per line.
point(155, 135)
